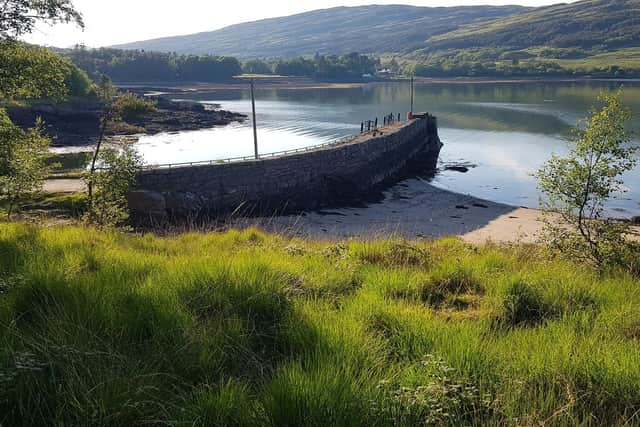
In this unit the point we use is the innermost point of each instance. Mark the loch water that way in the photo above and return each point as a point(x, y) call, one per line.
point(498, 132)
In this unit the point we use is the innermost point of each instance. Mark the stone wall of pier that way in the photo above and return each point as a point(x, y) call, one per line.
point(301, 181)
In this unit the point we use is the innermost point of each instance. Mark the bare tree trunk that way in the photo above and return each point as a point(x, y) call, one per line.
point(103, 129)
point(10, 207)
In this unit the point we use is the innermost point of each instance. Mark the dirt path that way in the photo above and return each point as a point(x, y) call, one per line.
point(64, 186)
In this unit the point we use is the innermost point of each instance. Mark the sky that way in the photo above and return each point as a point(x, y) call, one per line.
point(119, 21)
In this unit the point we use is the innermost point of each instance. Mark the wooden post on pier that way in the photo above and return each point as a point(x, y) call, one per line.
point(255, 125)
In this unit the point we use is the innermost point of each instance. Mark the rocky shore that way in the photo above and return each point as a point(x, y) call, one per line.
point(74, 126)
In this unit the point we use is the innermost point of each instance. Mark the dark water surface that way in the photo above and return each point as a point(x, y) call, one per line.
point(501, 131)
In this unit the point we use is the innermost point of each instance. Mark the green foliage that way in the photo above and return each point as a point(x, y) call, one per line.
point(78, 83)
point(145, 66)
point(18, 17)
point(69, 162)
point(530, 303)
point(533, 62)
point(577, 186)
point(28, 72)
point(441, 399)
point(110, 184)
point(578, 25)
point(130, 106)
point(247, 329)
point(23, 156)
point(329, 67)
point(142, 66)
point(108, 188)
point(256, 66)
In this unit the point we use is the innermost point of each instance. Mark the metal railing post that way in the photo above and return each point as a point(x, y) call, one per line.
point(255, 125)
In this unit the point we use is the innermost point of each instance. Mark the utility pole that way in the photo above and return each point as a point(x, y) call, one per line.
point(411, 95)
point(255, 126)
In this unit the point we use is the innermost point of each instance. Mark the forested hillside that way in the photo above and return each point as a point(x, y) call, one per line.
point(586, 25)
point(366, 29)
point(589, 37)
point(145, 66)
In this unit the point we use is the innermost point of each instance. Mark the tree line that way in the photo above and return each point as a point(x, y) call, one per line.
point(516, 68)
point(145, 66)
point(140, 65)
point(352, 66)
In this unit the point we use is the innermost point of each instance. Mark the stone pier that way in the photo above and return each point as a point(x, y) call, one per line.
point(292, 182)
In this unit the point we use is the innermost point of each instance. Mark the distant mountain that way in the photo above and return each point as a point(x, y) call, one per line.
point(365, 29)
point(590, 24)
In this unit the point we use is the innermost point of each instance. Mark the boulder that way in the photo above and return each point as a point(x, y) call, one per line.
point(144, 203)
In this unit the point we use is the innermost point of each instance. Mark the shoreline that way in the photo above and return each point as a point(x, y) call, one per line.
point(170, 88)
point(70, 127)
point(412, 209)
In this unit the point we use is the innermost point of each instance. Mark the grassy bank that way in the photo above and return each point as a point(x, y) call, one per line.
point(249, 329)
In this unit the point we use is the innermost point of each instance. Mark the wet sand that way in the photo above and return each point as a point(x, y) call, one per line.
point(413, 209)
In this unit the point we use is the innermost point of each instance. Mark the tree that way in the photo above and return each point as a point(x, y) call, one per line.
point(112, 182)
point(256, 66)
point(18, 17)
point(577, 187)
point(23, 157)
point(108, 205)
point(28, 72)
point(130, 106)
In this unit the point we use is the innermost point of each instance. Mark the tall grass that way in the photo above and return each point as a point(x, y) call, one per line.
point(249, 329)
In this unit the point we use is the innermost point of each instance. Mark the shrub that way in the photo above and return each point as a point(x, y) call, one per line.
point(444, 398)
point(131, 106)
point(577, 187)
point(524, 305)
point(23, 156)
point(107, 205)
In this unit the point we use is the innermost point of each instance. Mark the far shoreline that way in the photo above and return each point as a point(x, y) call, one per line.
point(161, 88)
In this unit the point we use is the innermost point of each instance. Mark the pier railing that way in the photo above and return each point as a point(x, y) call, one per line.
point(388, 120)
point(249, 158)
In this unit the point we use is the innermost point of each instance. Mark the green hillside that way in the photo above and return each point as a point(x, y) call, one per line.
point(365, 29)
point(588, 37)
point(588, 24)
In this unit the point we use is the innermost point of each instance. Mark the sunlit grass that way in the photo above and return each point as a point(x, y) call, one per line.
point(244, 328)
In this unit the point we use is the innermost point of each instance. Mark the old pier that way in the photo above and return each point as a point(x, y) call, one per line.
point(305, 180)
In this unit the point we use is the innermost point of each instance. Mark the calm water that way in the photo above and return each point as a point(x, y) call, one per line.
point(503, 132)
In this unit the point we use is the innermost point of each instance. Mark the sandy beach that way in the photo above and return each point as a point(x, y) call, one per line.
point(413, 209)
